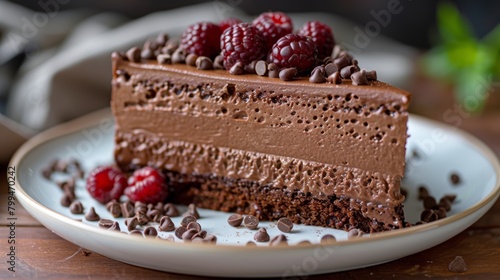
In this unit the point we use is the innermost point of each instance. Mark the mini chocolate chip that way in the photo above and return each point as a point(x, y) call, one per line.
point(288, 74)
point(136, 232)
point(304, 242)
point(194, 225)
point(285, 225)
point(179, 56)
point(188, 234)
point(457, 265)
point(261, 235)
point(154, 215)
point(422, 192)
point(161, 39)
point(147, 54)
point(200, 234)
point(210, 238)
point(428, 215)
point(170, 210)
point(92, 215)
point(166, 224)
point(114, 208)
point(251, 222)
point(273, 70)
point(347, 71)
point(150, 44)
point(164, 58)
point(371, 75)
point(451, 197)
point(150, 232)
point(219, 62)
point(261, 68)
point(318, 75)
point(105, 223)
point(66, 199)
point(441, 213)
point(115, 226)
point(328, 239)
point(76, 207)
point(140, 207)
point(204, 63)
point(134, 54)
point(192, 211)
point(187, 219)
point(359, 78)
point(142, 218)
point(191, 59)
point(131, 223)
point(251, 244)
point(429, 202)
point(250, 67)
point(279, 240)
point(445, 203)
point(342, 61)
point(180, 231)
point(330, 68)
point(237, 69)
point(455, 179)
point(353, 233)
point(235, 220)
point(335, 78)
point(127, 209)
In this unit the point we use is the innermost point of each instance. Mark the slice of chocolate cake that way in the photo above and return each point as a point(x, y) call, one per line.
point(324, 152)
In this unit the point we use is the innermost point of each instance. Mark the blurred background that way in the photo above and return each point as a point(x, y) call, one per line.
point(55, 66)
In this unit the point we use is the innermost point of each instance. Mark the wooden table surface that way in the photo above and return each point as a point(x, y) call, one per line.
point(42, 254)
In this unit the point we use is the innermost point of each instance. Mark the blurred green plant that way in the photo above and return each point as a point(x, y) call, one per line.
point(470, 64)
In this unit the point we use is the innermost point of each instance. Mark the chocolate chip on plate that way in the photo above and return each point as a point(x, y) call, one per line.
point(105, 223)
point(353, 233)
point(235, 220)
point(328, 239)
point(180, 231)
point(170, 210)
point(279, 240)
point(285, 225)
point(251, 222)
point(455, 178)
point(76, 207)
point(261, 235)
point(92, 215)
point(166, 224)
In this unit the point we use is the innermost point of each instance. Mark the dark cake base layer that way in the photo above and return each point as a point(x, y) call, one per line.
point(270, 204)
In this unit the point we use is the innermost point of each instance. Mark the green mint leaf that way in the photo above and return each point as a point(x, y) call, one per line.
point(453, 28)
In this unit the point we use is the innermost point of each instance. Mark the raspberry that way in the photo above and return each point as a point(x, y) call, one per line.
point(106, 183)
point(321, 34)
point(273, 26)
point(241, 42)
point(226, 23)
point(294, 50)
point(147, 185)
point(202, 39)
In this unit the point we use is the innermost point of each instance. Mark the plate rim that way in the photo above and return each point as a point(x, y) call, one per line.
point(94, 118)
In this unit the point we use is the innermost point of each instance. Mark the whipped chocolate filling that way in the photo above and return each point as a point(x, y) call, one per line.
point(324, 139)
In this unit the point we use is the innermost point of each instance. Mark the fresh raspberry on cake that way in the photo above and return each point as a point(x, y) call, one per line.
point(273, 25)
point(321, 34)
point(202, 39)
point(294, 50)
point(226, 23)
point(241, 42)
point(147, 185)
point(106, 183)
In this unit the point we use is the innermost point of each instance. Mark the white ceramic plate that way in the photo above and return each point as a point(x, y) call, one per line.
point(442, 150)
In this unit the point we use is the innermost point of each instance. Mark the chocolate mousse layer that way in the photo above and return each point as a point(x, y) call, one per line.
point(323, 154)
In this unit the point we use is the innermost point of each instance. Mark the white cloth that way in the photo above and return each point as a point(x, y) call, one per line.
point(72, 77)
